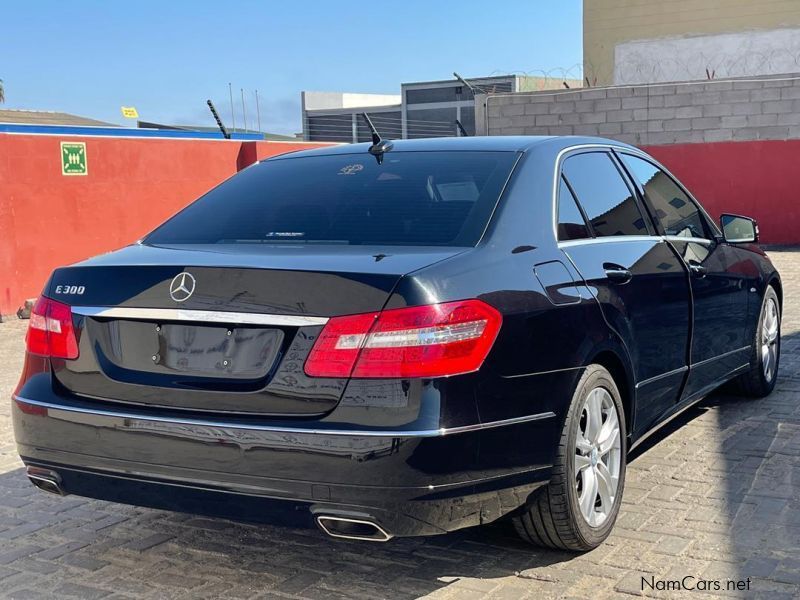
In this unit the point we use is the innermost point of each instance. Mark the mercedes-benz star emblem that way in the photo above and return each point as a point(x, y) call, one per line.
point(182, 287)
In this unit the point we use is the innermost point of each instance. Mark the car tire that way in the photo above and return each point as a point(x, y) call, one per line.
point(563, 513)
point(760, 378)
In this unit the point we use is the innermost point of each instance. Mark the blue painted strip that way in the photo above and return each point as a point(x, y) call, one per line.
point(123, 132)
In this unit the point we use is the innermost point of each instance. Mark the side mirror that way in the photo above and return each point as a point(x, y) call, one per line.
point(737, 229)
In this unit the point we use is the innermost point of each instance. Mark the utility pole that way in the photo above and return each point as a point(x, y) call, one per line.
point(258, 112)
point(244, 110)
point(233, 114)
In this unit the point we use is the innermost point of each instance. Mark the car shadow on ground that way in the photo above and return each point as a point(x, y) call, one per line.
point(749, 521)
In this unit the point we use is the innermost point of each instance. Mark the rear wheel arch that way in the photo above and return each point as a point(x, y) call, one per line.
point(615, 365)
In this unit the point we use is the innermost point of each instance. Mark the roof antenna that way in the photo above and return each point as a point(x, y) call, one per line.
point(379, 145)
point(461, 129)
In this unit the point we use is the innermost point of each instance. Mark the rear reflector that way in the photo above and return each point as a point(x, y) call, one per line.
point(436, 340)
point(50, 331)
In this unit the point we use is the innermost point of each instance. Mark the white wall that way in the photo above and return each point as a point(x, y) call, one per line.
point(332, 100)
point(740, 54)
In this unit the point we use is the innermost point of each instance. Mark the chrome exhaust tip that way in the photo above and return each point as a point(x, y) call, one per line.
point(46, 480)
point(352, 529)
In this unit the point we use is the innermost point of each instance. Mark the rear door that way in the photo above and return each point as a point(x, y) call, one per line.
point(720, 287)
point(637, 277)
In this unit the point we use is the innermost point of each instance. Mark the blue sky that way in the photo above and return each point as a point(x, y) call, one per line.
point(166, 58)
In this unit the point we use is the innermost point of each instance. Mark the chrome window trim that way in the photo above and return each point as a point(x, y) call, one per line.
point(622, 150)
point(608, 239)
point(557, 177)
point(442, 431)
point(643, 155)
point(633, 238)
point(679, 238)
point(202, 316)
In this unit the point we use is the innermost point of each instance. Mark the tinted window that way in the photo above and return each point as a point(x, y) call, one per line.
point(571, 225)
point(604, 195)
point(675, 211)
point(413, 198)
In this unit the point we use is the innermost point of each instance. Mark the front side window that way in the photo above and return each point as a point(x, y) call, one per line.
point(606, 199)
point(571, 225)
point(675, 211)
point(412, 198)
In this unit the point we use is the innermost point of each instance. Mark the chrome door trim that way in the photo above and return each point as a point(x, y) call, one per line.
point(394, 433)
point(718, 357)
point(662, 376)
point(201, 316)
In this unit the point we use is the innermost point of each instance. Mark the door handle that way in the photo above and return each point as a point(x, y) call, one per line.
point(616, 273)
point(697, 270)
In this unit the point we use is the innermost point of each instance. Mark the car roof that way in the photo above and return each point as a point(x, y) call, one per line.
point(499, 143)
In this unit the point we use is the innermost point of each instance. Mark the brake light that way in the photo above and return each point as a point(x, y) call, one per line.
point(436, 340)
point(50, 331)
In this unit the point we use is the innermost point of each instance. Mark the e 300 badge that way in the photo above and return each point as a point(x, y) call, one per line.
point(74, 290)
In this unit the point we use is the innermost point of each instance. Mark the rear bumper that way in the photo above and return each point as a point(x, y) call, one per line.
point(409, 482)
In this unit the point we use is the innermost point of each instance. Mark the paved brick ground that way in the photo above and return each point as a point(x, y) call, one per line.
point(716, 497)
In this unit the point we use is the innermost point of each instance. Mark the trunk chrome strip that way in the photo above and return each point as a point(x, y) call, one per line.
point(396, 433)
point(202, 316)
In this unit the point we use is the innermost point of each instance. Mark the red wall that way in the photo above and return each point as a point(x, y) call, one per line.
point(48, 219)
point(757, 179)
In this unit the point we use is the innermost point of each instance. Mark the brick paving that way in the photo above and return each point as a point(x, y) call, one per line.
point(715, 497)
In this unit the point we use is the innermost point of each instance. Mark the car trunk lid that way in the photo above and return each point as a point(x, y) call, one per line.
point(219, 329)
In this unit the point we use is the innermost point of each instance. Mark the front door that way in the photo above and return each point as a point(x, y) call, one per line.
point(719, 345)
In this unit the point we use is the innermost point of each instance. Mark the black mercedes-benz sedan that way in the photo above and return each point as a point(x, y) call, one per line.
point(399, 339)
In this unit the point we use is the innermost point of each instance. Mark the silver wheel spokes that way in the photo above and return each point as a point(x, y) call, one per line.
point(597, 457)
point(770, 333)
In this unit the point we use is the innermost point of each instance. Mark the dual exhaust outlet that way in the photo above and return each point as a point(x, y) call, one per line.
point(335, 526)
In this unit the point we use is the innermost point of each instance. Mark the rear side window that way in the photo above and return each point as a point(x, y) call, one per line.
point(674, 210)
point(412, 198)
point(606, 199)
point(571, 224)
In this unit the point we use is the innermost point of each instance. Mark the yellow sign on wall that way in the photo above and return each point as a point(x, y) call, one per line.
point(129, 112)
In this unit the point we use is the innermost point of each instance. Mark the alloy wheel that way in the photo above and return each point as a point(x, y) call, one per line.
point(770, 332)
point(598, 457)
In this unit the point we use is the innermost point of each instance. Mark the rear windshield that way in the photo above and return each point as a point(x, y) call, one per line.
point(412, 198)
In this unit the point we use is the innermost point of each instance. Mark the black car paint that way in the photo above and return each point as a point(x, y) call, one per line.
point(381, 449)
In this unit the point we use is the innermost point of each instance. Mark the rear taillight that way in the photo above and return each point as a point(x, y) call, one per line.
point(436, 340)
point(50, 331)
